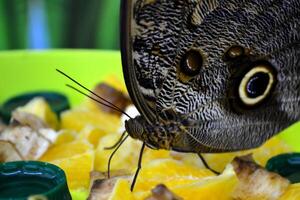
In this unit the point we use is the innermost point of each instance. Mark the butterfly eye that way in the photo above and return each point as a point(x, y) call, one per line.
point(191, 63)
point(256, 85)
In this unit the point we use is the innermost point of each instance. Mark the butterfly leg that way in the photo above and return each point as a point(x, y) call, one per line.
point(113, 153)
point(116, 144)
point(138, 168)
point(206, 165)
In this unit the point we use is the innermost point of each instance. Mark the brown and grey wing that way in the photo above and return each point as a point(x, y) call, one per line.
point(149, 45)
point(272, 32)
point(157, 34)
point(129, 70)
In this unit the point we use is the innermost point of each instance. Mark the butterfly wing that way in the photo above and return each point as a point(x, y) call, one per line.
point(129, 68)
point(162, 35)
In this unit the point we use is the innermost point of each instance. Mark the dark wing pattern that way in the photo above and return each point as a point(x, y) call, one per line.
point(162, 31)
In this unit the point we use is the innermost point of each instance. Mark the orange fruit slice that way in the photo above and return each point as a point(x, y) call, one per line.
point(272, 147)
point(92, 134)
point(149, 155)
point(125, 158)
point(170, 173)
point(214, 187)
point(185, 181)
point(77, 169)
point(79, 118)
point(65, 136)
point(121, 191)
point(66, 150)
point(292, 193)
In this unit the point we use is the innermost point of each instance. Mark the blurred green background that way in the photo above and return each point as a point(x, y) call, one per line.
point(43, 24)
point(77, 36)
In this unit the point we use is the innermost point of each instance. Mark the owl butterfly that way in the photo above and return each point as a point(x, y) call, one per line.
point(211, 75)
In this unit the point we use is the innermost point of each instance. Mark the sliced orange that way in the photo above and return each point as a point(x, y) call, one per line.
point(125, 158)
point(77, 169)
point(67, 150)
point(92, 134)
point(292, 193)
point(162, 168)
point(214, 188)
point(65, 136)
point(188, 158)
point(121, 191)
point(168, 172)
point(187, 182)
point(79, 118)
point(150, 155)
point(272, 147)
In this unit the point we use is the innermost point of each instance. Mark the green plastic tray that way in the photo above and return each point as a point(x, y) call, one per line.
point(24, 71)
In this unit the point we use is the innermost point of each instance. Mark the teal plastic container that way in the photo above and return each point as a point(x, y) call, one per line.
point(21, 180)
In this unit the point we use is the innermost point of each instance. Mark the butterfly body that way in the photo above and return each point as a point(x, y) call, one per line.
point(211, 75)
point(157, 135)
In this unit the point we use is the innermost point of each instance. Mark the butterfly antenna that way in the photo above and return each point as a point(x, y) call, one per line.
point(138, 167)
point(113, 153)
point(108, 104)
point(116, 144)
point(94, 99)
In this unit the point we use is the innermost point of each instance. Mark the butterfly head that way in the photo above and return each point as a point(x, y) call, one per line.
point(135, 127)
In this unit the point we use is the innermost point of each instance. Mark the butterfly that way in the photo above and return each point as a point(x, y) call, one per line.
point(211, 76)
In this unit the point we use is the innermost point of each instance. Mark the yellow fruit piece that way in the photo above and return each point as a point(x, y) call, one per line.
point(65, 136)
point(79, 118)
point(163, 168)
point(125, 158)
point(67, 150)
point(188, 183)
point(188, 158)
point(210, 188)
point(292, 193)
point(77, 169)
point(39, 107)
point(121, 191)
point(149, 155)
point(272, 147)
point(169, 172)
point(92, 134)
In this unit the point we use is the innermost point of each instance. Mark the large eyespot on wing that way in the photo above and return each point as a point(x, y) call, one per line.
point(252, 86)
point(129, 71)
point(256, 85)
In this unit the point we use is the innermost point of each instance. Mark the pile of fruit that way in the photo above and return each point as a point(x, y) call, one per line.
point(77, 141)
